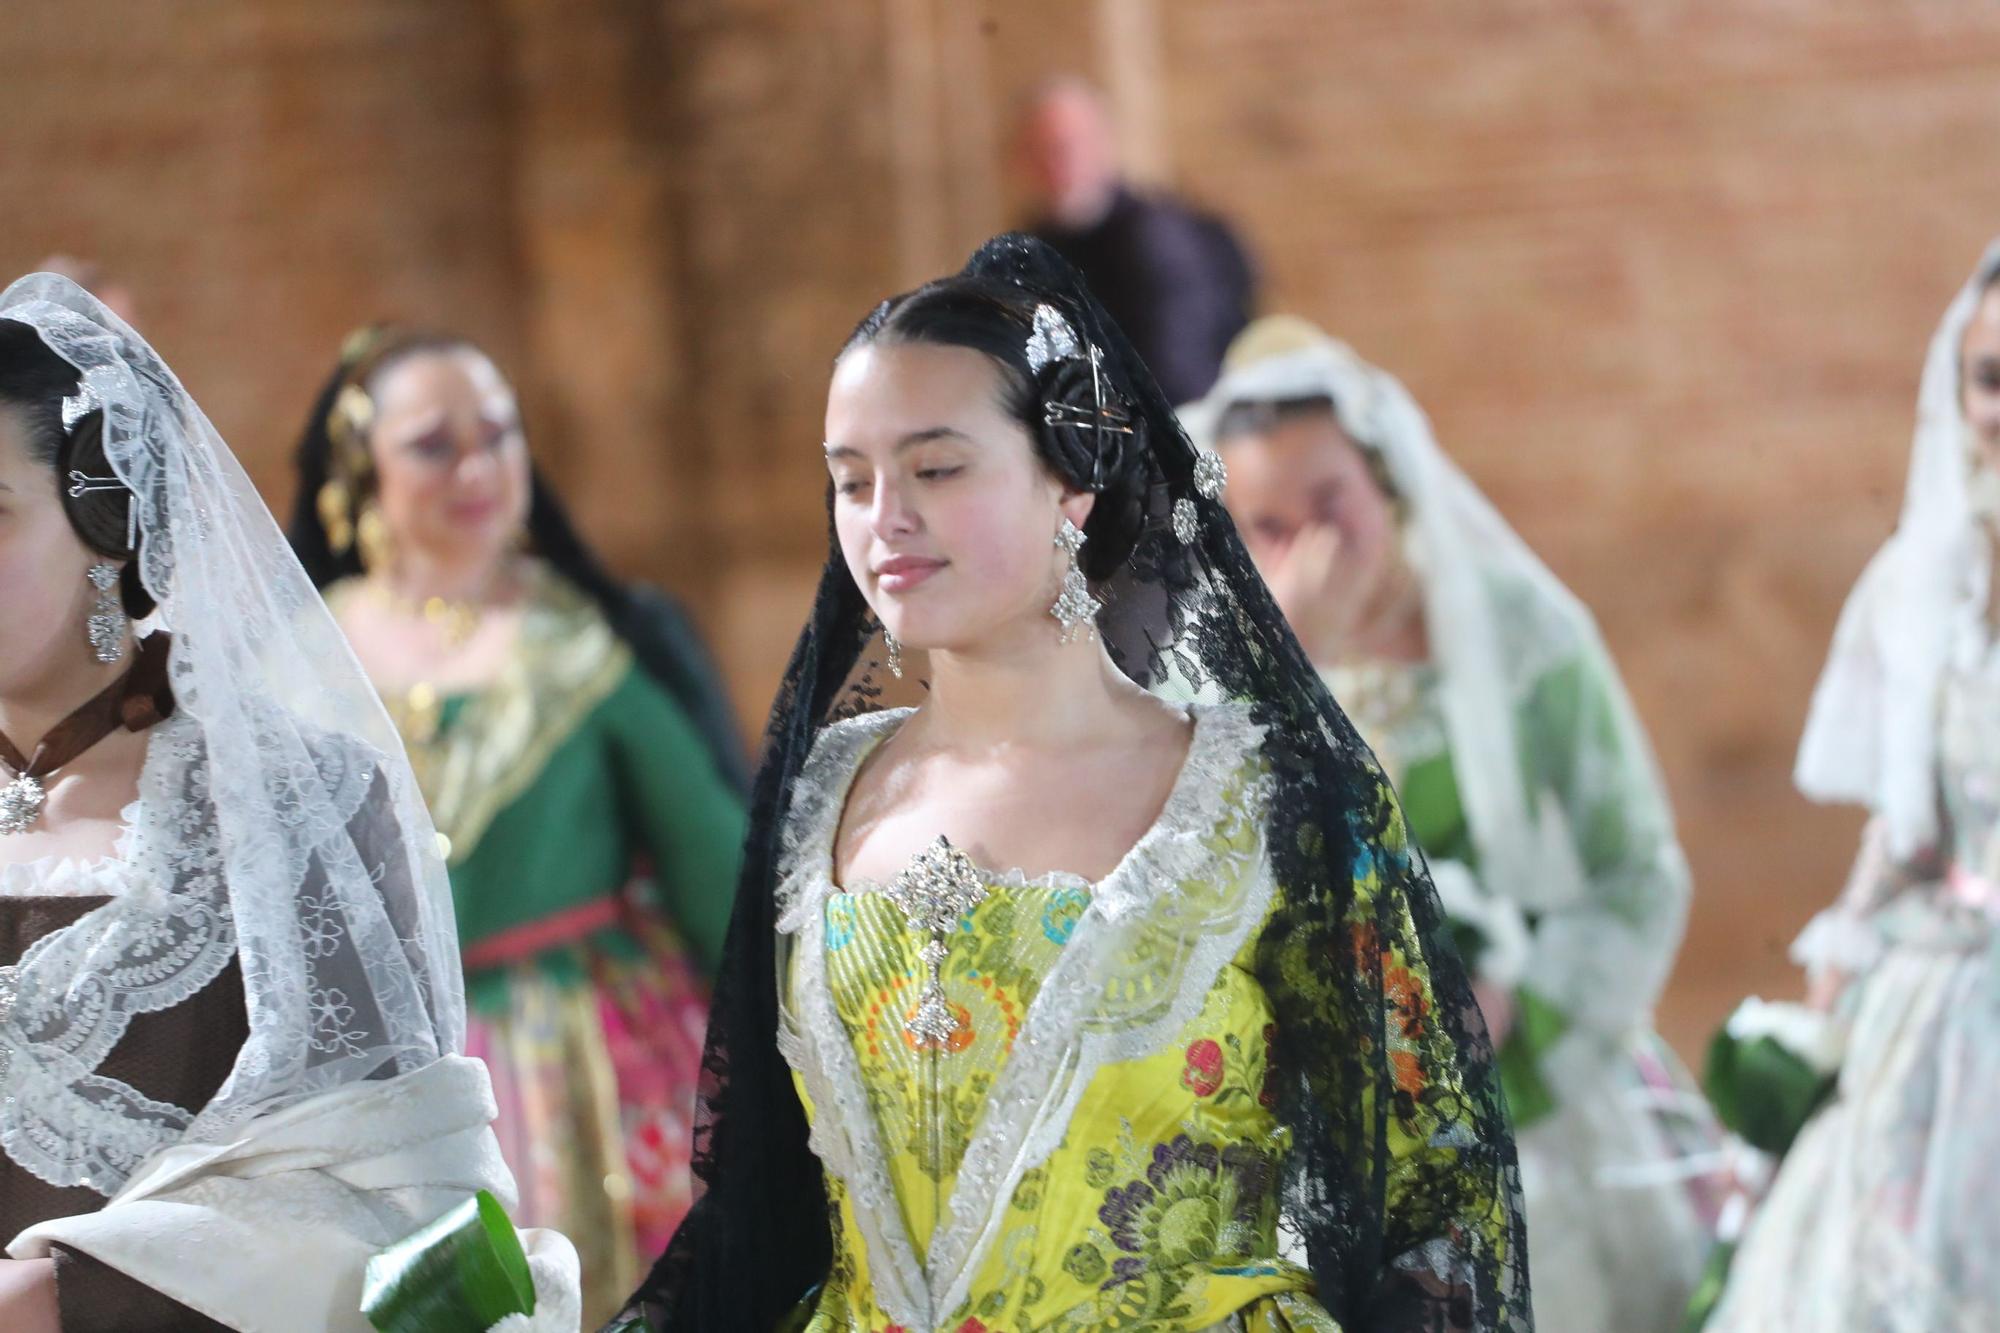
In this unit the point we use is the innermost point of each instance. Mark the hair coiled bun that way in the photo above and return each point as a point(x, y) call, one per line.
point(1096, 446)
point(35, 380)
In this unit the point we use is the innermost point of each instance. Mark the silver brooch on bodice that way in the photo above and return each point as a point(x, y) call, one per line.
point(940, 886)
point(20, 801)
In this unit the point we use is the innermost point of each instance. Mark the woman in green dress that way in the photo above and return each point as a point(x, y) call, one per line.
point(1098, 990)
point(1483, 686)
point(574, 750)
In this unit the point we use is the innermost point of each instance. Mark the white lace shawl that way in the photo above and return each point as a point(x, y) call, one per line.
point(278, 824)
point(1871, 737)
point(1499, 620)
point(1157, 932)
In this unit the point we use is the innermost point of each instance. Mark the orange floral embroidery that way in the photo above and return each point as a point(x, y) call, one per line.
point(1409, 1072)
point(1405, 994)
point(1404, 991)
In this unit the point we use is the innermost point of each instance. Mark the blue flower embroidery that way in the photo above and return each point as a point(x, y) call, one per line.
point(1060, 916)
point(840, 923)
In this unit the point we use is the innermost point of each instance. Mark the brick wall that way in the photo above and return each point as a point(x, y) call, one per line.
point(264, 177)
point(1664, 276)
point(1662, 272)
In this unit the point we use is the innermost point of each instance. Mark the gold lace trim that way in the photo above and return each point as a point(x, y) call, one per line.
point(567, 661)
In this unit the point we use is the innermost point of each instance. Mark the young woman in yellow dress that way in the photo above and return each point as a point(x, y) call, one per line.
point(1100, 990)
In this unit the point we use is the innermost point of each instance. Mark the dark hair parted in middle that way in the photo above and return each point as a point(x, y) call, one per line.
point(1095, 447)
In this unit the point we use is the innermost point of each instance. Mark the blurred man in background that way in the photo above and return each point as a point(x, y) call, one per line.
point(1176, 280)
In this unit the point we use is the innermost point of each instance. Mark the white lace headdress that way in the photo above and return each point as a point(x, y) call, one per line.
point(1497, 617)
point(279, 823)
point(1871, 737)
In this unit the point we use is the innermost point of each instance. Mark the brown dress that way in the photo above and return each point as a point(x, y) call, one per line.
point(181, 1056)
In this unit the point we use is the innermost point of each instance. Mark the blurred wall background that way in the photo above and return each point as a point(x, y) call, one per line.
point(1661, 270)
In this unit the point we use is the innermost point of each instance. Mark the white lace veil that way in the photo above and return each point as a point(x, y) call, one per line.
point(1497, 617)
point(1871, 737)
point(278, 825)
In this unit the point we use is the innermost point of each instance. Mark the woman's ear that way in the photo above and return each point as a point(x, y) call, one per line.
point(1076, 505)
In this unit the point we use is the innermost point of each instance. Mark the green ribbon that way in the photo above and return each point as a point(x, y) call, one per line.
point(1708, 1292)
point(463, 1273)
point(1763, 1092)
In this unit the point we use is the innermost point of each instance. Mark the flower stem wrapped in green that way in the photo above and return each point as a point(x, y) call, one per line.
point(463, 1273)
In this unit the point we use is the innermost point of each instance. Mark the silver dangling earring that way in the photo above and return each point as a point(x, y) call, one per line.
point(895, 653)
point(1075, 609)
point(107, 622)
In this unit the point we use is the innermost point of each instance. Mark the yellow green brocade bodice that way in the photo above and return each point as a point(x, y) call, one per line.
point(1093, 1146)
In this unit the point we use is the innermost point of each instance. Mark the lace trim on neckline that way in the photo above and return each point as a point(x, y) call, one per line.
point(26, 878)
point(1052, 881)
point(567, 661)
point(1222, 733)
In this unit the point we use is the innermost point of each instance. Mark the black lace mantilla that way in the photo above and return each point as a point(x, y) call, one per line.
point(1398, 1240)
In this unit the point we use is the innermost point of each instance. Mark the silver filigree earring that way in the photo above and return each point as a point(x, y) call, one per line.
point(1075, 609)
point(107, 623)
point(895, 653)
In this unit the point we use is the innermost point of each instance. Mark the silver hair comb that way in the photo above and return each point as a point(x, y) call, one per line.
point(1053, 339)
point(81, 485)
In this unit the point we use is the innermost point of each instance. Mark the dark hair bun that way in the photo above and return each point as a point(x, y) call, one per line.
point(1103, 454)
point(102, 517)
point(1107, 455)
point(35, 380)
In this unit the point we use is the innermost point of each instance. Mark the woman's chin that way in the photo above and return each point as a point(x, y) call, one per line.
point(922, 638)
point(468, 544)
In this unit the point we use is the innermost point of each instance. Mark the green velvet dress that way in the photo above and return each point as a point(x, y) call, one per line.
point(594, 851)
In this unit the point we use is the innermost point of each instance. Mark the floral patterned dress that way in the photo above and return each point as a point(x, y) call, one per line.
point(1613, 1135)
point(1094, 1145)
point(1883, 1214)
point(594, 847)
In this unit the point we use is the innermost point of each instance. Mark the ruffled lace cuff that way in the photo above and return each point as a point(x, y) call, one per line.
point(1838, 940)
